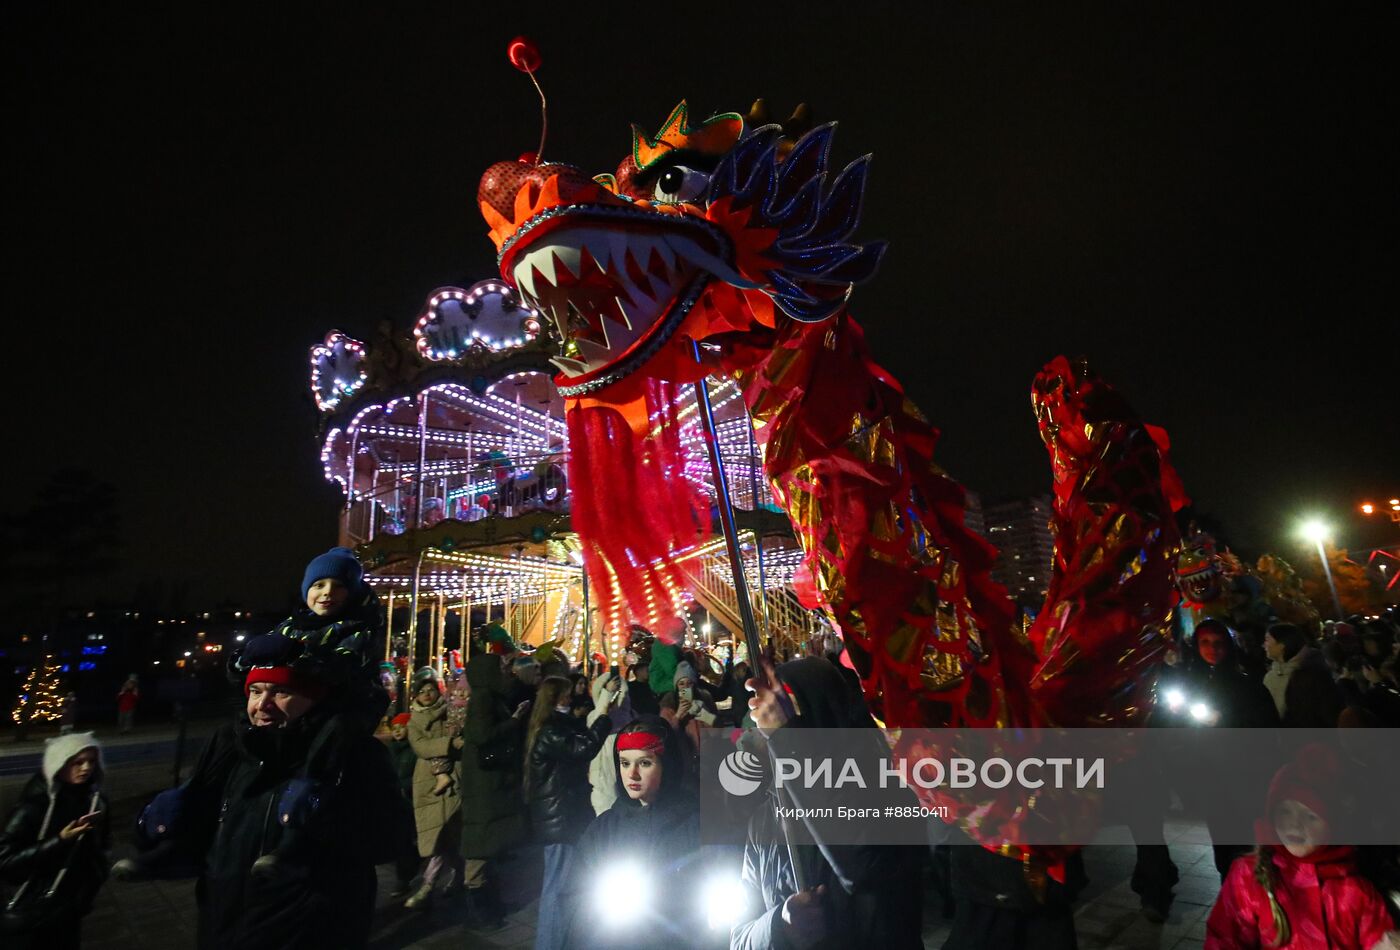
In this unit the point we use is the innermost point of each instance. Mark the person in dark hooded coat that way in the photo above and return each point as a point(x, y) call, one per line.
point(493, 819)
point(1212, 675)
point(56, 840)
point(856, 895)
point(1211, 691)
point(648, 842)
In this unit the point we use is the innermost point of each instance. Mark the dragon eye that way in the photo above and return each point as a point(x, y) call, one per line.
point(680, 184)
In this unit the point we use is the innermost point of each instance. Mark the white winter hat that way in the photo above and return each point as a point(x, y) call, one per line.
point(59, 749)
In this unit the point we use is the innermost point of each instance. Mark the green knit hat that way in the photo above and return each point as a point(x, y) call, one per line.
point(496, 639)
point(665, 657)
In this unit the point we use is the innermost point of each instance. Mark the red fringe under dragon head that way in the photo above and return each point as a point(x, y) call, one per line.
point(705, 228)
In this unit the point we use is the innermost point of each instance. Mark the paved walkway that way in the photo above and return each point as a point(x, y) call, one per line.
point(1108, 917)
point(151, 730)
point(138, 916)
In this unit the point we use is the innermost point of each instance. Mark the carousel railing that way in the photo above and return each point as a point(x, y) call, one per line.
point(785, 620)
point(390, 500)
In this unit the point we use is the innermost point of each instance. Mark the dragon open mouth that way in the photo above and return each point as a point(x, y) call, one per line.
point(608, 293)
point(1199, 584)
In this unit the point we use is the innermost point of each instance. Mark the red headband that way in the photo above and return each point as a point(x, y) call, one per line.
point(284, 676)
point(640, 741)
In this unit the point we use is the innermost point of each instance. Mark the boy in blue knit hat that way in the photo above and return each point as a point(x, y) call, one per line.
point(337, 638)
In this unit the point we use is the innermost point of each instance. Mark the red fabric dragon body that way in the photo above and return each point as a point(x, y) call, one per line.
point(725, 248)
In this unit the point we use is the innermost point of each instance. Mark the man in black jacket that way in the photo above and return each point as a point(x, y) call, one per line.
point(855, 895)
point(245, 792)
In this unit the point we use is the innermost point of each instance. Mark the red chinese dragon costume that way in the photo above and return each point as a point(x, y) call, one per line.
point(725, 248)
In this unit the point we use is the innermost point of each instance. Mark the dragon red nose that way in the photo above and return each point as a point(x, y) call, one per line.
point(511, 193)
point(503, 181)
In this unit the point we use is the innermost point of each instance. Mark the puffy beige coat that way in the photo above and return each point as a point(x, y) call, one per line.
point(436, 816)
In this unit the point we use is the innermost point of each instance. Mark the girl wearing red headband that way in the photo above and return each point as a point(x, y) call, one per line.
point(644, 852)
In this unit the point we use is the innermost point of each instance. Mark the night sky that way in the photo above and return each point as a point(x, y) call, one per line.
point(1203, 203)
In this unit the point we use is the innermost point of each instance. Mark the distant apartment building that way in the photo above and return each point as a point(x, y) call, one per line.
point(1020, 529)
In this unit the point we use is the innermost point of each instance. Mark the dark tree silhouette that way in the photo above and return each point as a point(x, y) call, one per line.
point(69, 535)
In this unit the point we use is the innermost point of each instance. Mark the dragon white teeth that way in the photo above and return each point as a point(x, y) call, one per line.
point(668, 255)
point(593, 352)
point(598, 245)
point(525, 280)
point(617, 250)
point(570, 257)
point(664, 286)
point(560, 322)
point(642, 245)
point(641, 297)
point(626, 321)
point(607, 339)
point(544, 261)
point(569, 367)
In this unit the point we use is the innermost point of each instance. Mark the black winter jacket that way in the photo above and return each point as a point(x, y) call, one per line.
point(558, 791)
point(26, 856)
point(1311, 699)
point(231, 819)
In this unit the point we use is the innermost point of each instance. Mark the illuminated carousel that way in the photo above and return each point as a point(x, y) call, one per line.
point(451, 449)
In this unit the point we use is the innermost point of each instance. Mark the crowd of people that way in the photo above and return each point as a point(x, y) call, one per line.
point(325, 775)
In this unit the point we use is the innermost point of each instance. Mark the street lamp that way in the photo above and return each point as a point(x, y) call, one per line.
point(1317, 532)
point(1393, 504)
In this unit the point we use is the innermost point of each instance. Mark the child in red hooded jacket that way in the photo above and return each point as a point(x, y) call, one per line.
point(1297, 891)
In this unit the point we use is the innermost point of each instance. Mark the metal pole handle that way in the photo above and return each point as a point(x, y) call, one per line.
point(736, 567)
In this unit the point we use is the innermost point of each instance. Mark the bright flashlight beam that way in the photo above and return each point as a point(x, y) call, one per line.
point(1200, 712)
point(621, 881)
point(1175, 698)
point(1315, 531)
point(725, 901)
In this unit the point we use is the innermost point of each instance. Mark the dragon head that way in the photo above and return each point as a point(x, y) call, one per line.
point(703, 229)
point(1198, 571)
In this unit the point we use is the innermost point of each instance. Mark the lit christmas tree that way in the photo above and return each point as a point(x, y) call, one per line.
point(39, 697)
